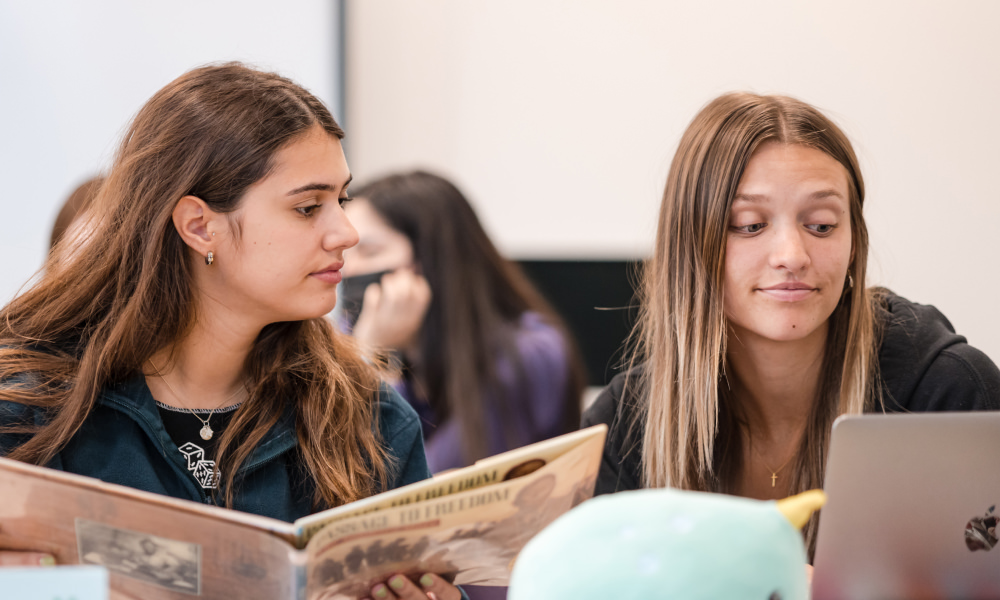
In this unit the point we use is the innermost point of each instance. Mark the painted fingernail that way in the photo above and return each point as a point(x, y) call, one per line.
point(397, 582)
point(47, 561)
point(427, 580)
point(380, 591)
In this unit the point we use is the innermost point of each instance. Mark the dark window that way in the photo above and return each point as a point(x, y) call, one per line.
point(597, 301)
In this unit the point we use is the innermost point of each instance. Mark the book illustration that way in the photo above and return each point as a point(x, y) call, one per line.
point(525, 468)
point(470, 538)
point(162, 562)
point(981, 532)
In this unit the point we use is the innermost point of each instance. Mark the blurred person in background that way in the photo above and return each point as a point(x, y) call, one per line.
point(72, 209)
point(485, 361)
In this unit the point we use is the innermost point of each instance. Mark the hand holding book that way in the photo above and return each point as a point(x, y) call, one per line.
point(403, 588)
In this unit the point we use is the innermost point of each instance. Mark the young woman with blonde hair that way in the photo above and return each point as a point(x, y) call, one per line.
point(191, 314)
point(756, 327)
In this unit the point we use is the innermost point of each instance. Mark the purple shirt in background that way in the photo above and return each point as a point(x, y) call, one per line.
point(543, 356)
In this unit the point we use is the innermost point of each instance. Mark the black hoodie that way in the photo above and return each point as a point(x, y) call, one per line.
point(924, 366)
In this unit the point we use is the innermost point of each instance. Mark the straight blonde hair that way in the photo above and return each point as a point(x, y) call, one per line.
point(689, 419)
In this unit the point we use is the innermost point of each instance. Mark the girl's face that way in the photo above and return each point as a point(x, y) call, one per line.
point(282, 262)
point(789, 244)
point(381, 248)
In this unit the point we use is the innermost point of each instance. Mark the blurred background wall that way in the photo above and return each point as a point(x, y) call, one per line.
point(557, 117)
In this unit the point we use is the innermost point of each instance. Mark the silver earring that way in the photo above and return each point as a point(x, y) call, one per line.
point(850, 281)
point(209, 258)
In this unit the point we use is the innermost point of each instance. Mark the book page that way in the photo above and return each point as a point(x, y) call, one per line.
point(470, 537)
point(154, 547)
point(487, 471)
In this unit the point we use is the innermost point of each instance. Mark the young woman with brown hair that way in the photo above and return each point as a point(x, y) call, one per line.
point(488, 365)
point(756, 327)
point(189, 319)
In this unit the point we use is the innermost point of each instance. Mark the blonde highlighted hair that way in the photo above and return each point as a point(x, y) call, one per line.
point(691, 434)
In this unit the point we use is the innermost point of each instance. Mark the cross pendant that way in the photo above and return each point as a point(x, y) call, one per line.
point(774, 477)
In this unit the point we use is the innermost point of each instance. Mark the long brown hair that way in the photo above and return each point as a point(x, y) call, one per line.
point(477, 299)
point(691, 423)
point(107, 303)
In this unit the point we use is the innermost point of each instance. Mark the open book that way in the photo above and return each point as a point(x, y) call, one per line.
point(467, 525)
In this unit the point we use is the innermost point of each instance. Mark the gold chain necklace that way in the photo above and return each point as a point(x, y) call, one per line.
point(206, 429)
point(774, 472)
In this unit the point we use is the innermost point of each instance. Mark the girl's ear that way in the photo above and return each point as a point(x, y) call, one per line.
point(194, 221)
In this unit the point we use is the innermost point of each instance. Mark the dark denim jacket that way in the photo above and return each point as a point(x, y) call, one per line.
point(123, 441)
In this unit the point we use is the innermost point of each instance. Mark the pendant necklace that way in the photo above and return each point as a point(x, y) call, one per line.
point(774, 472)
point(206, 429)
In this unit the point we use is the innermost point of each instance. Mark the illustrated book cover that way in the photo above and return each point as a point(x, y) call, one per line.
point(468, 525)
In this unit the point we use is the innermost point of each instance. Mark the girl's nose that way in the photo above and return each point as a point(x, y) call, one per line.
point(789, 250)
point(340, 234)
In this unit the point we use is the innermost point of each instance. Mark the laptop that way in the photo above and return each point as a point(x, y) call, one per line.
point(913, 507)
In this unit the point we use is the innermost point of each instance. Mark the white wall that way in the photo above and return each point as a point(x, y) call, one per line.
point(559, 117)
point(72, 74)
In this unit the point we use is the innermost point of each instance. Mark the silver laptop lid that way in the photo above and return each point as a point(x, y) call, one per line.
point(909, 508)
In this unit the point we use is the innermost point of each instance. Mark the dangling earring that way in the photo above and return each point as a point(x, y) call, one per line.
point(209, 258)
point(850, 281)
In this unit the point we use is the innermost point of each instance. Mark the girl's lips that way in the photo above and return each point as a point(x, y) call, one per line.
point(788, 294)
point(331, 276)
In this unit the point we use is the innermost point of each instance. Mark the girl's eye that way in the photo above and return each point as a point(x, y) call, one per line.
point(308, 211)
point(751, 228)
point(344, 201)
point(822, 228)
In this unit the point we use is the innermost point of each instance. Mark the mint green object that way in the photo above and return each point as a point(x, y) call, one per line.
point(665, 544)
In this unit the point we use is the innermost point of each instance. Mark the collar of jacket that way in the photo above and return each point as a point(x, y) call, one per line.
point(133, 398)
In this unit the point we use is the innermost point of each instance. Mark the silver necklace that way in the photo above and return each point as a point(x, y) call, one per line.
point(206, 429)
